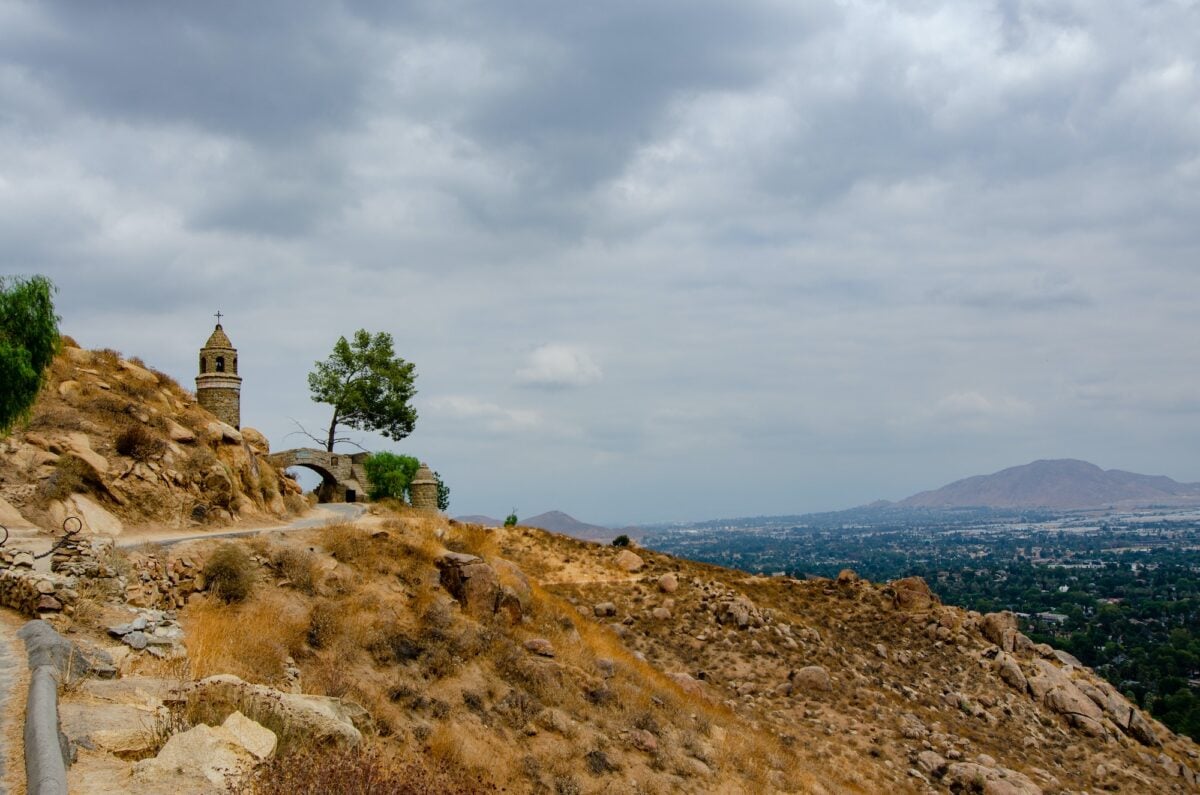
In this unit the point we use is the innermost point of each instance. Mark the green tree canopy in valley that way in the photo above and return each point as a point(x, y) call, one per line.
point(368, 386)
point(28, 341)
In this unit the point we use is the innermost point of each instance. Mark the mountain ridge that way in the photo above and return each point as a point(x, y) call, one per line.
point(1061, 484)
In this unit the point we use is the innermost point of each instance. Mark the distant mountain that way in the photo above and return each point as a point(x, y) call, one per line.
point(1061, 484)
point(559, 522)
point(477, 518)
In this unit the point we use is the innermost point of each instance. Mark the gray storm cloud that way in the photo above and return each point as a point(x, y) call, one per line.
point(652, 260)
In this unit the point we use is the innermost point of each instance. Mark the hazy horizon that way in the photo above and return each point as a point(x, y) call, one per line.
point(652, 261)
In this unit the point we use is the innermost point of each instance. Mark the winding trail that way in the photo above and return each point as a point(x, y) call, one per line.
point(328, 512)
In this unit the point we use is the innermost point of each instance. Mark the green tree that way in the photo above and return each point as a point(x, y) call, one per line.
point(443, 493)
point(28, 341)
point(511, 519)
point(368, 386)
point(390, 474)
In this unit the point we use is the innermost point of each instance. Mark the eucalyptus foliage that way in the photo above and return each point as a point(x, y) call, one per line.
point(28, 341)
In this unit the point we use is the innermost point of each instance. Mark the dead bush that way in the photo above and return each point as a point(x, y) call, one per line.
point(230, 573)
point(299, 568)
point(324, 624)
point(69, 476)
point(139, 443)
point(361, 771)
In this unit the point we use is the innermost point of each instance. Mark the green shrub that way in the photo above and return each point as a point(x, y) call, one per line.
point(390, 474)
point(621, 541)
point(230, 573)
point(511, 519)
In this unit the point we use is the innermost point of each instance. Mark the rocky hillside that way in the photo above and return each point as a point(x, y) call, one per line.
point(117, 444)
point(1064, 484)
point(519, 660)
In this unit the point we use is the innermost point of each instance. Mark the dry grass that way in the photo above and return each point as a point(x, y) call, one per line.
point(251, 640)
point(473, 539)
point(362, 771)
point(299, 568)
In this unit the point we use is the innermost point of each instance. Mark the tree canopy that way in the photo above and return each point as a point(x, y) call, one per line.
point(368, 386)
point(390, 474)
point(28, 341)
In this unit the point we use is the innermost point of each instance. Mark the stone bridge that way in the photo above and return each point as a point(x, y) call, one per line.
point(343, 477)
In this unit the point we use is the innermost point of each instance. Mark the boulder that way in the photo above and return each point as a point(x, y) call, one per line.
point(10, 517)
point(668, 583)
point(472, 582)
point(812, 678)
point(178, 433)
point(913, 594)
point(316, 719)
point(629, 561)
point(207, 754)
point(77, 444)
point(1001, 629)
point(540, 647)
point(1061, 695)
point(604, 609)
point(661, 613)
point(257, 441)
point(1010, 671)
point(139, 373)
point(687, 683)
point(95, 519)
point(974, 777)
point(227, 434)
point(516, 595)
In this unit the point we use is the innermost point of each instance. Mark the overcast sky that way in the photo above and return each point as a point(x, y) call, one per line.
point(652, 260)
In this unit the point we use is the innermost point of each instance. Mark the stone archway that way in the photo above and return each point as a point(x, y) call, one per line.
point(343, 477)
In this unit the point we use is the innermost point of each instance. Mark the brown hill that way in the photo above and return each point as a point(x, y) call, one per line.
point(115, 443)
point(559, 522)
point(1064, 484)
point(511, 659)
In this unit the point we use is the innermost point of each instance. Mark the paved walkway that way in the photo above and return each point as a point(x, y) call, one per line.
point(325, 513)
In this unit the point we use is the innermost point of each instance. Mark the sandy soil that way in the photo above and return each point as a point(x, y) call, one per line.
point(14, 683)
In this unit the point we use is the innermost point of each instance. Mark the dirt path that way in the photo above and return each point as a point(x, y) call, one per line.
point(330, 512)
point(14, 681)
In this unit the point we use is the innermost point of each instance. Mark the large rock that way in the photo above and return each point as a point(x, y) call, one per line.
point(178, 433)
point(315, 719)
point(226, 433)
point(10, 517)
point(912, 593)
point(516, 594)
point(207, 754)
point(1001, 629)
point(257, 441)
point(812, 678)
point(77, 444)
point(472, 582)
point(1010, 671)
point(975, 777)
point(93, 516)
point(668, 583)
point(1056, 690)
point(629, 561)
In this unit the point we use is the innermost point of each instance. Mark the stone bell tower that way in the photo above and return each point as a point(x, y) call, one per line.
point(219, 387)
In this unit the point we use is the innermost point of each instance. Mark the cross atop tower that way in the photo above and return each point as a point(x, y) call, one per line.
point(218, 316)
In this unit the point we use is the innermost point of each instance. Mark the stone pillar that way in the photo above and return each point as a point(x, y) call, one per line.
point(424, 490)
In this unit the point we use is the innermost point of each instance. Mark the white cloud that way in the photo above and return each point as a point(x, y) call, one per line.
point(559, 366)
point(490, 416)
